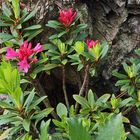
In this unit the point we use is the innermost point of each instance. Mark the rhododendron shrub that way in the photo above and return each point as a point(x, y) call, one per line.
point(86, 116)
point(66, 26)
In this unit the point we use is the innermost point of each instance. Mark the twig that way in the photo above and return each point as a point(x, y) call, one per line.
point(87, 85)
point(129, 109)
point(41, 92)
point(121, 94)
point(64, 86)
point(81, 92)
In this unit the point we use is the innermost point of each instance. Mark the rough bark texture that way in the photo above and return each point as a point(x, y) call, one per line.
point(116, 21)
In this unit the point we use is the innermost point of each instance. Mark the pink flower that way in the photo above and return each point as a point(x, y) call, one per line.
point(23, 65)
point(38, 48)
point(11, 54)
point(91, 43)
point(25, 51)
point(67, 17)
point(24, 55)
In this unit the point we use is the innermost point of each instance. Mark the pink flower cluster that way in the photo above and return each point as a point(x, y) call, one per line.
point(67, 17)
point(91, 43)
point(24, 55)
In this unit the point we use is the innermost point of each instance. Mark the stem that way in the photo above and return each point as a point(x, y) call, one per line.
point(41, 92)
point(121, 95)
point(85, 82)
point(64, 86)
point(129, 110)
point(33, 131)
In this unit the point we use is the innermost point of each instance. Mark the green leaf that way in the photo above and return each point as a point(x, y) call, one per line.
point(2, 24)
point(58, 136)
point(137, 51)
point(119, 75)
point(64, 62)
point(44, 130)
point(26, 124)
point(17, 95)
point(29, 100)
point(5, 37)
point(35, 103)
point(135, 130)
point(6, 10)
point(103, 99)
point(122, 82)
point(91, 99)
point(41, 114)
point(10, 83)
point(79, 28)
point(6, 116)
point(105, 48)
point(132, 137)
point(112, 130)
point(53, 24)
point(61, 34)
point(80, 66)
point(30, 15)
point(5, 134)
point(33, 27)
point(61, 110)
point(25, 137)
point(82, 101)
point(128, 70)
point(34, 34)
point(77, 131)
point(8, 120)
point(53, 37)
point(92, 72)
point(82, 36)
point(79, 47)
point(46, 67)
point(16, 8)
point(62, 125)
point(5, 105)
point(126, 101)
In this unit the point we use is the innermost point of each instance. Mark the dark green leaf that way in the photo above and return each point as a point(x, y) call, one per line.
point(30, 15)
point(33, 27)
point(82, 101)
point(26, 124)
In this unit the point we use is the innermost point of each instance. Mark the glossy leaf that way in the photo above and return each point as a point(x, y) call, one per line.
point(61, 110)
point(82, 101)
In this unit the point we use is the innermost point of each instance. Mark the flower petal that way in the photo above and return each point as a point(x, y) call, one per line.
point(11, 54)
point(38, 48)
point(23, 66)
point(91, 43)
